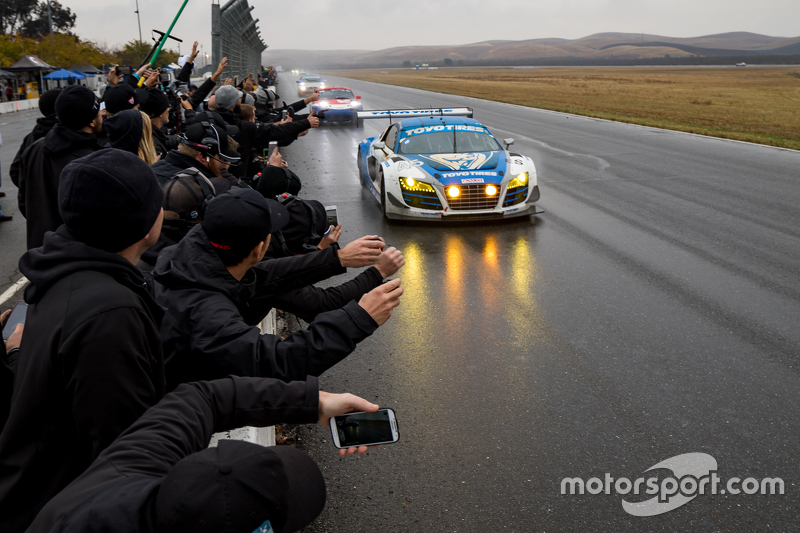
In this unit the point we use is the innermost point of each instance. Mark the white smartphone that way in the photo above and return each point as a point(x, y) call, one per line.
point(364, 429)
point(333, 215)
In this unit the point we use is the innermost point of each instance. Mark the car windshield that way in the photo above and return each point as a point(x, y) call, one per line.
point(336, 94)
point(311, 80)
point(445, 142)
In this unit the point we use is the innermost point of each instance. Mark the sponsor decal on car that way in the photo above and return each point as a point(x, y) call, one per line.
point(431, 129)
point(459, 161)
point(471, 173)
point(472, 180)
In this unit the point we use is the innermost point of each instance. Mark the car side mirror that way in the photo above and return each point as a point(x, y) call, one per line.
point(358, 97)
point(508, 142)
point(378, 145)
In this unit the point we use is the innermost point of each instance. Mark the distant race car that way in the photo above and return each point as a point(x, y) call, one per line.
point(441, 166)
point(308, 84)
point(338, 104)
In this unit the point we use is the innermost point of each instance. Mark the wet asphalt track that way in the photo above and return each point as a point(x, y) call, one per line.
point(652, 311)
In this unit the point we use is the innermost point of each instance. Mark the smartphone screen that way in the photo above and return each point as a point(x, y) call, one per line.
point(17, 317)
point(333, 215)
point(365, 429)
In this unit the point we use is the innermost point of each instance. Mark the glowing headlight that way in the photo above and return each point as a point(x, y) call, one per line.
point(321, 85)
point(453, 191)
point(519, 181)
point(323, 103)
point(302, 87)
point(410, 184)
point(491, 190)
point(355, 103)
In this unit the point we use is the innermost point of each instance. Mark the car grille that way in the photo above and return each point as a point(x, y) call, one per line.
point(422, 199)
point(515, 196)
point(472, 197)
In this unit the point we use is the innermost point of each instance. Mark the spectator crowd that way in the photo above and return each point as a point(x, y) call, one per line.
point(163, 225)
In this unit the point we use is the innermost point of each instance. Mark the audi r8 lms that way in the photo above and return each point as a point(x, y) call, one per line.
point(337, 104)
point(308, 84)
point(440, 165)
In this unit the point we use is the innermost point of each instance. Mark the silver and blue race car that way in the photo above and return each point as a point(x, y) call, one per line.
point(442, 164)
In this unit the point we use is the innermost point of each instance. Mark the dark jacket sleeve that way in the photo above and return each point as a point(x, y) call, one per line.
point(13, 171)
point(299, 105)
point(200, 94)
point(235, 348)
point(181, 424)
point(308, 302)
point(261, 133)
point(114, 368)
point(276, 276)
point(186, 72)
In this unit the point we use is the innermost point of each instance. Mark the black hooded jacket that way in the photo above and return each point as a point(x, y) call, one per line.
point(125, 130)
point(89, 365)
point(39, 172)
point(209, 329)
point(42, 128)
point(255, 136)
point(118, 492)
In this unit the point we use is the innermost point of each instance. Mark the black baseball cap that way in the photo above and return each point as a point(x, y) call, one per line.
point(154, 102)
point(241, 218)
point(237, 486)
point(120, 98)
point(76, 107)
point(212, 140)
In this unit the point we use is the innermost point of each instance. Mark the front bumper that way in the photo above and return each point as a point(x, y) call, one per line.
point(422, 207)
point(333, 115)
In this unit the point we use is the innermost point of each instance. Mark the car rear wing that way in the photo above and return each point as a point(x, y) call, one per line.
point(410, 113)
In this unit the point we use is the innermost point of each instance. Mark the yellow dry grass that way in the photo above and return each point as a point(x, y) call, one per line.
point(760, 105)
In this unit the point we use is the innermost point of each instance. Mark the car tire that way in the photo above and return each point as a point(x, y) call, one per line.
point(384, 199)
point(360, 168)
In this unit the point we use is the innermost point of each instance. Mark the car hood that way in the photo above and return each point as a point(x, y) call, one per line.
point(462, 168)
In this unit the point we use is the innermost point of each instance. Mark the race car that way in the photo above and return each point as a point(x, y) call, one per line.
point(444, 165)
point(337, 104)
point(308, 84)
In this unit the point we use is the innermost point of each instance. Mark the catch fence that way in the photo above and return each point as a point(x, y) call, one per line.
point(235, 35)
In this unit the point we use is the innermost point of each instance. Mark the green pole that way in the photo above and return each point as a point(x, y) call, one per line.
point(166, 35)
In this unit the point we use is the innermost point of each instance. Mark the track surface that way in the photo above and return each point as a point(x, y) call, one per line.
point(652, 311)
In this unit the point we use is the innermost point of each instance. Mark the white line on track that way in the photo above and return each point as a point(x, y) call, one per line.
point(13, 289)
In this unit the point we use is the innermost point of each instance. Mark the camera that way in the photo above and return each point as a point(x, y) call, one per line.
point(123, 71)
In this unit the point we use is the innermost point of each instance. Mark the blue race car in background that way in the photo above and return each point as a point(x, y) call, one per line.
point(337, 104)
point(439, 165)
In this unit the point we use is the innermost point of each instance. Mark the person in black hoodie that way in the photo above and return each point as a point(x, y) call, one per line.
point(90, 362)
point(40, 166)
point(208, 281)
point(47, 106)
point(193, 154)
point(160, 476)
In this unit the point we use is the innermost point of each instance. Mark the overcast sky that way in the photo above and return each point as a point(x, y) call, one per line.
point(378, 24)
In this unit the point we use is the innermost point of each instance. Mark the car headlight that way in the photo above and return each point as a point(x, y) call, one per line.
point(453, 191)
point(355, 103)
point(302, 87)
point(410, 184)
point(323, 103)
point(321, 85)
point(519, 181)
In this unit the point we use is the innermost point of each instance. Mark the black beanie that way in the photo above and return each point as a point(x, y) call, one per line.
point(76, 107)
point(47, 102)
point(156, 103)
point(109, 199)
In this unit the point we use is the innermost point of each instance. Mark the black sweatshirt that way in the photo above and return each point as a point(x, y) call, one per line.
point(90, 364)
point(206, 336)
point(118, 491)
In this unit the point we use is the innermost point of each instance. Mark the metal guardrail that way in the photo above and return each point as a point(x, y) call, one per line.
point(235, 35)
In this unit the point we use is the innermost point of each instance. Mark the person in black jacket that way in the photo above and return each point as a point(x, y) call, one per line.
point(40, 166)
point(90, 362)
point(47, 106)
point(256, 135)
point(209, 280)
point(192, 153)
point(160, 477)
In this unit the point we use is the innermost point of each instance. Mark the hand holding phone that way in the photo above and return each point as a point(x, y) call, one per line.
point(15, 317)
point(333, 405)
point(333, 215)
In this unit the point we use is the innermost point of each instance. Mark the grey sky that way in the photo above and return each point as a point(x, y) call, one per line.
point(377, 24)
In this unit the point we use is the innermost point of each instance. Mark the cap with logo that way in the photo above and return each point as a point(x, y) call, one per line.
point(241, 218)
point(76, 107)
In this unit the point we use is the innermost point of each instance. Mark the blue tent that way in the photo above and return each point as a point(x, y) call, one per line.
point(63, 74)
